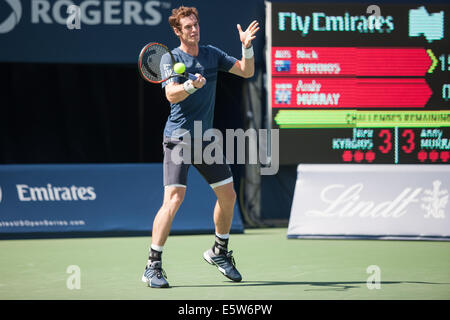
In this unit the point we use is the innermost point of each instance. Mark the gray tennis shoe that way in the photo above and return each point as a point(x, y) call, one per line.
point(155, 276)
point(224, 262)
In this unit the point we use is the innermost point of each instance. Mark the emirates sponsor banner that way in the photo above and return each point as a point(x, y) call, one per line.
point(373, 201)
point(98, 199)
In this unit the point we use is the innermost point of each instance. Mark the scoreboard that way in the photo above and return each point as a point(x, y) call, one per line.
point(353, 83)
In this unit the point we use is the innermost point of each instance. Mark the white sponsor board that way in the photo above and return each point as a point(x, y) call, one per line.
point(381, 201)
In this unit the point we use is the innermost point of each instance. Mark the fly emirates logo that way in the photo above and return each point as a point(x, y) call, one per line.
point(320, 21)
point(53, 193)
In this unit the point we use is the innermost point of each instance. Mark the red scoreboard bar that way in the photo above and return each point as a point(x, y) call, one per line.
point(341, 61)
point(294, 92)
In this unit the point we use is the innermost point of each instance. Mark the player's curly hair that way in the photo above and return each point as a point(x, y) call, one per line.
point(181, 12)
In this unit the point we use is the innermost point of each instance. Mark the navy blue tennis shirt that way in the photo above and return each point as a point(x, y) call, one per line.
point(198, 106)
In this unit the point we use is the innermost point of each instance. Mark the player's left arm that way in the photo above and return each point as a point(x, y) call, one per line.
point(246, 66)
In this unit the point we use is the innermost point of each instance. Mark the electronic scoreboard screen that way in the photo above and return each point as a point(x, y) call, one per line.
point(353, 83)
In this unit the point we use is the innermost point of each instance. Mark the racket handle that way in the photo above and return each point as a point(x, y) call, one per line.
point(192, 77)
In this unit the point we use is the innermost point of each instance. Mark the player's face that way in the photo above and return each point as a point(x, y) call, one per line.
point(190, 30)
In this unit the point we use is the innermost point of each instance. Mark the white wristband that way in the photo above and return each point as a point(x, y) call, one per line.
point(247, 53)
point(189, 87)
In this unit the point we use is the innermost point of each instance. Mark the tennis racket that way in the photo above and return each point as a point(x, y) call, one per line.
point(149, 64)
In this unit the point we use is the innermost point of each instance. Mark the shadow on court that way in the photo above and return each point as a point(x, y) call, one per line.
point(326, 285)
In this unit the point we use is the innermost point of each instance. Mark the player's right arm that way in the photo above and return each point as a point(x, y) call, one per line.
point(176, 92)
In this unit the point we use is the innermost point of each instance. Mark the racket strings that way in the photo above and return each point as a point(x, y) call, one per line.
point(151, 62)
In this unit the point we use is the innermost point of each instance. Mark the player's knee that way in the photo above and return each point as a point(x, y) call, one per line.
point(175, 199)
point(232, 196)
point(228, 196)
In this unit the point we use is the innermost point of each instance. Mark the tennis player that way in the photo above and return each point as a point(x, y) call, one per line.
point(193, 100)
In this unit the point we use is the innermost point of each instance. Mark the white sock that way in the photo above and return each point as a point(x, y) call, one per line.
point(223, 236)
point(156, 247)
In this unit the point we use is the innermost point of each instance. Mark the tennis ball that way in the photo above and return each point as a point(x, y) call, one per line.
point(179, 67)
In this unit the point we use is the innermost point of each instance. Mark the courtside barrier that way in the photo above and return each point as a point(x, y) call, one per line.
point(98, 199)
point(371, 201)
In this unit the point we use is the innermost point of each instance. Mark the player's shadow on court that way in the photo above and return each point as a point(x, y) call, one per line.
point(326, 285)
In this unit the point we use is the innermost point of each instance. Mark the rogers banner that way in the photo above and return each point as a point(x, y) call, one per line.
point(113, 31)
point(371, 201)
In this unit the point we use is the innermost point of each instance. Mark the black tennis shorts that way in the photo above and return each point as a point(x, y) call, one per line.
point(175, 174)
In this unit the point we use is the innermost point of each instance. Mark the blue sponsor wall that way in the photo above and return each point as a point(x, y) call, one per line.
point(114, 31)
point(96, 199)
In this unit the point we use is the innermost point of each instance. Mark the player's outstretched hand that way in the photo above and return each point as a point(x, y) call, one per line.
point(248, 35)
